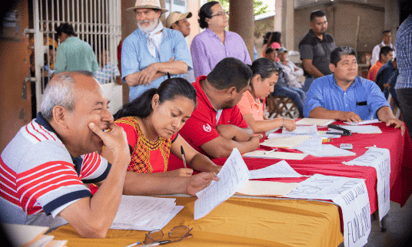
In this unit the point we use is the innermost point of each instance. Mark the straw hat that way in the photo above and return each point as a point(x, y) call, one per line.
point(176, 16)
point(147, 4)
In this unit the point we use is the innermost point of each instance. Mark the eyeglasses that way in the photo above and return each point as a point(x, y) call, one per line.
point(221, 13)
point(175, 235)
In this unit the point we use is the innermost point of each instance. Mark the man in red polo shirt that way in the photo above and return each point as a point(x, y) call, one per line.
point(216, 125)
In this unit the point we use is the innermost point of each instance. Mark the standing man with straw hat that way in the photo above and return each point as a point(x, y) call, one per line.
point(152, 50)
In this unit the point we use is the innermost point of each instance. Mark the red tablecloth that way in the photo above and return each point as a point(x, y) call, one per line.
point(400, 148)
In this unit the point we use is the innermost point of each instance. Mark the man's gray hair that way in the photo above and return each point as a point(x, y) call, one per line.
point(60, 91)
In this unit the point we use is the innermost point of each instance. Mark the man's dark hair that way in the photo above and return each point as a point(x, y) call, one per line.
point(230, 72)
point(65, 28)
point(269, 50)
point(384, 51)
point(386, 31)
point(337, 53)
point(316, 13)
point(205, 12)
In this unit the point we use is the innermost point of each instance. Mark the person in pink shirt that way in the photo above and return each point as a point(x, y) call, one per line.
point(265, 76)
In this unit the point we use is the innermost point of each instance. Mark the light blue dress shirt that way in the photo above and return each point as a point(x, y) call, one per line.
point(362, 97)
point(136, 56)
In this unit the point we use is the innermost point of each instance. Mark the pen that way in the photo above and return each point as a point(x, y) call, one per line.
point(134, 244)
point(271, 151)
point(183, 156)
point(157, 243)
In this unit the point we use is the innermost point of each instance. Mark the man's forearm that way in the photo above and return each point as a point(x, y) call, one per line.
point(320, 112)
point(173, 67)
point(311, 69)
point(149, 184)
point(385, 114)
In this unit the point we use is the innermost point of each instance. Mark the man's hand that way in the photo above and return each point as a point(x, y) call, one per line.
point(350, 117)
point(290, 124)
point(256, 140)
point(114, 139)
point(397, 124)
point(199, 181)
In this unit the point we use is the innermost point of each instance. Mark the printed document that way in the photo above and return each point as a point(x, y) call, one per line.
point(266, 188)
point(275, 155)
point(316, 121)
point(233, 175)
point(144, 213)
point(285, 141)
point(350, 194)
point(279, 170)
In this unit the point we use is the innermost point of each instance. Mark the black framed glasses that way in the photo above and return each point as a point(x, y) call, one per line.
point(221, 13)
point(175, 235)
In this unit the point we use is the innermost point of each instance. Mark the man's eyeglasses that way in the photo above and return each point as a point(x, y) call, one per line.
point(175, 235)
point(220, 13)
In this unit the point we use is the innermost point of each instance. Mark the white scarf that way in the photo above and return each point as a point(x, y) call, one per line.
point(151, 42)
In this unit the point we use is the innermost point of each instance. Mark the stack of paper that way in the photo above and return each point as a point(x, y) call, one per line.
point(285, 141)
point(327, 151)
point(316, 121)
point(364, 129)
point(266, 188)
point(302, 130)
point(28, 235)
point(364, 122)
point(145, 213)
point(275, 155)
point(279, 170)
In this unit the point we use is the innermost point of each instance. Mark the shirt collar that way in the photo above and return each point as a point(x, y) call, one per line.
point(313, 35)
point(43, 122)
point(355, 83)
point(213, 34)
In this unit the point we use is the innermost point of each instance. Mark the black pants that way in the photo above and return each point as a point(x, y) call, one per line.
point(405, 104)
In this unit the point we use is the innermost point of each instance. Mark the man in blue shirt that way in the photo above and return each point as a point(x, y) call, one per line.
point(152, 50)
point(345, 96)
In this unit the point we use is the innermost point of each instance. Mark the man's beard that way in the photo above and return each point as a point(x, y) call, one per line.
point(153, 24)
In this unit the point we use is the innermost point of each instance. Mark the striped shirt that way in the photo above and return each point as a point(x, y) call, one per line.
point(404, 54)
point(39, 176)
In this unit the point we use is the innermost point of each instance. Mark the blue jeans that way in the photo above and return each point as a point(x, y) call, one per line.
point(308, 82)
point(296, 94)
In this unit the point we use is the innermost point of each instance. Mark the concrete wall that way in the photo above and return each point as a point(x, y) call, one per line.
point(343, 23)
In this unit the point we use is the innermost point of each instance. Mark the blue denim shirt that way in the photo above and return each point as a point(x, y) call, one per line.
point(136, 56)
point(362, 97)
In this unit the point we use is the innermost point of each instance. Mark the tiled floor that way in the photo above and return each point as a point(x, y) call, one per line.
point(398, 230)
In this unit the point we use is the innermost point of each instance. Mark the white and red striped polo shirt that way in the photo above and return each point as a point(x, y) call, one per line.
point(38, 174)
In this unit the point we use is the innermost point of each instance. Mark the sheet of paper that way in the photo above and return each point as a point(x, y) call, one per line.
point(144, 213)
point(279, 170)
point(285, 142)
point(364, 122)
point(316, 121)
point(232, 176)
point(302, 130)
point(380, 159)
point(266, 188)
point(328, 150)
point(275, 155)
point(350, 194)
point(314, 144)
point(364, 129)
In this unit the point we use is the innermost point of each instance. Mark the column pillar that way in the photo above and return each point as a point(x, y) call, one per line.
point(288, 26)
point(241, 21)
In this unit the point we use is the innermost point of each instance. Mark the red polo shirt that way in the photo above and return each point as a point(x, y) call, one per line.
point(201, 126)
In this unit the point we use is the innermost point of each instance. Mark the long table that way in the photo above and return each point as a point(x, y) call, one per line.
point(239, 222)
point(400, 148)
